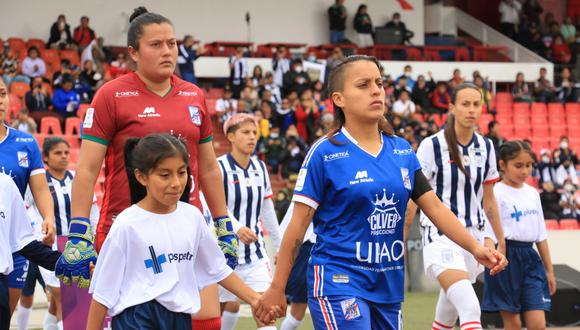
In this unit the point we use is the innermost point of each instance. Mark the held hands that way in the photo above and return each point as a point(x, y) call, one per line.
point(227, 240)
point(78, 255)
point(48, 230)
point(490, 258)
point(271, 305)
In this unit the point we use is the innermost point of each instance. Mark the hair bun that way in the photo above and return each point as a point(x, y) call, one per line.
point(137, 12)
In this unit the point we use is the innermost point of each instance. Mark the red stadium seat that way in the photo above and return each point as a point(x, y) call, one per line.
point(462, 54)
point(74, 155)
point(72, 126)
point(555, 108)
point(503, 97)
point(19, 89)
point(74, 141)
point(540, 131)
point(413, 54)
point(522, 133)
point(507, 131)
point(39, 139)
point(50, 124)
point(431, 55)
point(556, 119)
point(18, 46)
point(70, 55)
point(38, 43)
point(569, 224)
point(418, 117)
point(573, 108)
point(504, 108)
point(538, 120)
point(552, 224)
point(558, 131)
point(521, 108)
point(539, 107)
point(521, 120)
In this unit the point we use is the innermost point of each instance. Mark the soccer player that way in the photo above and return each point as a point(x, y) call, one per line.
point(20, 159)
point(150, 100)
point(526, 286)
point(249, 198)
point(354, 185)
point(461, 166)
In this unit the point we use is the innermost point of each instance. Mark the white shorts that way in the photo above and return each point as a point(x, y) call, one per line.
point(49, 278)
point(443, 254)
point(257, 275)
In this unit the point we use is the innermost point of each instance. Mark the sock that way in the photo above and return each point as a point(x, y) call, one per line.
point(229, 320)
point(445, 313)
point(207, 324)
point(462, 296)
point(290, 323)
point(23, 317)
point(50, 322)
point(59, 325)
point(268, 327)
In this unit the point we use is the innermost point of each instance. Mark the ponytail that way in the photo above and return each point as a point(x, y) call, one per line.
point(451, 139)
point(136, 190)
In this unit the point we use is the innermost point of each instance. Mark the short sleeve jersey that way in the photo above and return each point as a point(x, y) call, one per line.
point(360, 201)
point(125, 108)
point(20, 158)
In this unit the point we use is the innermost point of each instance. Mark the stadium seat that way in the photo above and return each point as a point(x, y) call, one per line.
point(413, 54)
point(504, 118)
point(39, 139)
point(540, 131)
point(538, 107)
point(522, 132)
point(73, 155)
point(19, 89)
point(70, 55)
point(462, 54)
point(552, 224)
point(215, 93)
point(521, 108)
point(82, 110)
point(555, 107)
point(503, 97)
point(573, 108)
point(18, 46)
point(569, 224)
point(50, 124)
point(38, 43)
point(51, 58)
point(431, 55)
point(74, 141)
point(210, 103)
point(503, 107)
point(418, 117)
point(538, 120)
point(507, 131)
point(521, 120)
point(558, 131)
point(557, 120)
point(72, 126)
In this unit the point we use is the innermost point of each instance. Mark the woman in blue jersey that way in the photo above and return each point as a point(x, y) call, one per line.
point(354, 185)
point(461, 166)
point(20, 159)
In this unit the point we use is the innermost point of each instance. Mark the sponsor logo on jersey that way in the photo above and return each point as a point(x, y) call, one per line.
point(385, 216)
point(518, 214)
point(402, 152)
point(350, 309)
point(22, 159)
point(156, 262)
point(300, 180)
point(24, 139)
point(2, 215)
point(149, 112)
point(336, 155)
point(194, 115)
point(186, 93)
point(406, 178)
point(361, 177)
point(127, 94)
point(89, 115)
point(179, 257)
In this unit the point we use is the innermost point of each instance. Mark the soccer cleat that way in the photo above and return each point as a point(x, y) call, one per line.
point(227, 240)
point(78, 254)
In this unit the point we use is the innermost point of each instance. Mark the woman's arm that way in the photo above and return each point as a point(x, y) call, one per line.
point(45, 205)
point(90, 161)
point(409, 218)
point(490, 208)
point(97, 313)
point(210, 179)
point(547, 261)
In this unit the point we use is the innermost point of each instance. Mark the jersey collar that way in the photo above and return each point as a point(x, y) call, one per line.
point(144, 88)
point(7, 133)
point(355, 142)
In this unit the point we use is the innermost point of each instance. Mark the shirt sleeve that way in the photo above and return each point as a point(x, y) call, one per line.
point(206, 128)
point(267, 184)
point(309, 187)
point(492, 175)
point(36, 164)
point(100, 118)
point(210, 264)
point(21, 231)
point(426, 159)
point(106, 284)
point(542, 234)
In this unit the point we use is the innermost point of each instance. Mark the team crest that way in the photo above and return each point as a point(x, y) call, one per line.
point(23, 159)
point(384, 219)
point(406, 178)
point(350, 309)
point(195, 115)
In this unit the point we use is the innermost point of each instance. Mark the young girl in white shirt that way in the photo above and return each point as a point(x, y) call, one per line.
point(160, 253)
point(527, 284)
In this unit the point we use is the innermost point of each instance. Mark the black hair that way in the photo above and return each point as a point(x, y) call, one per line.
point(511, 149)
point(144, 154)
point(139, 19)
point(491, 125)
point(50, 143)
point(31, 48)
point(336, 84)
point(449, 131)
point(361, 7)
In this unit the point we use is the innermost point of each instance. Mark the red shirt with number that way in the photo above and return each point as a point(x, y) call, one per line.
point(125, 108)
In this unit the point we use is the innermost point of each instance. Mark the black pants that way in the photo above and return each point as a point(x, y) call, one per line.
point(4, 303)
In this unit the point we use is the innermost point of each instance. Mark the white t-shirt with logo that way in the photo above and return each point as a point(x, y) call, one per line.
point(521, 214)
point(166, 257)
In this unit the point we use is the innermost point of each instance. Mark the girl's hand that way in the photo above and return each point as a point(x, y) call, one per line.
point(271, 305)
point(490, 258)
point(551, 283)
point(246, 235)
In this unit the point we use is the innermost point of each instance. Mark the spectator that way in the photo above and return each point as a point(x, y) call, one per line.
point(335, 57)
point(275, 145)
point(510, 16)
point(294, 100)
point(520, 90)
point(66, 99)
point(281, 203)
point(285, 115)
point(226, 106)
point(337, 19)
point(486, 94)
point(560, 51)
point(263, 125)
point(307, 115)
point(250, 99)
point(272, 87)
point(33, 66)
point(83, 34)
point(311, 57)
point(568, 30)
point(400, 28)
point(565, 151)
point(65, 68)
point(546, 168)
point(568, 200)
point(421, 93)
point(531, 38)
point(543, 88)
point(363, 27)
point(296, 79)
point(457, 78)
point(326, 122)
point(24, 123)
point(566, 91)
point(120, 66)
point(280, 65)
point(38, 100)
point(546, 28)
point(91, 77)
point(532, 11)
point(60, 36)
point(187, 54)
point(494, 134)
point(550, 199)
point(408, 74)
point(402, 85)
point(268, 112)
point(9, 68)
point(404, 107)
point(292, 158)
point(94, 52)
point(318, 92)
point(566, 171)
point(441, 98)
point(238, 72)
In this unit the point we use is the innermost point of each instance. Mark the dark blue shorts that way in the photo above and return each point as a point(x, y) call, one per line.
point(344, 312)
point(4, 303)
point(17, 277)
point(149, 316)
point(522, 286)
point(31, 278)
point(297, 286)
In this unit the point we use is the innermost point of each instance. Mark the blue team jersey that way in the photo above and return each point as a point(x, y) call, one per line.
point(20, 158)
point(360, 201)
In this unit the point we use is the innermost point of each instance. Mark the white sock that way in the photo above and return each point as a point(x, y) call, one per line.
point(462, 296)
point(23, 317)
point(49, 322)
point(268, 327)
point(59, 325)
point(290, 323)
point(229, 320)
point(445, 313)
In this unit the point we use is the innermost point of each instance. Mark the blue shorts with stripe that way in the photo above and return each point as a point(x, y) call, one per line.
point(151, 315)
point(17, 278)
point(297, 286)
point(343, 312)
point(522, 286)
